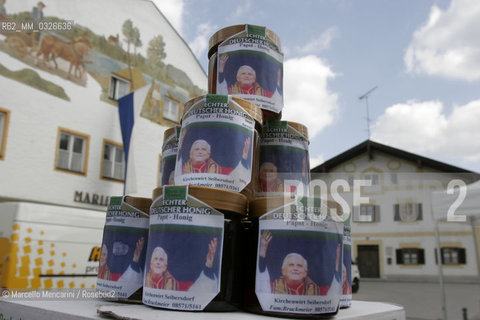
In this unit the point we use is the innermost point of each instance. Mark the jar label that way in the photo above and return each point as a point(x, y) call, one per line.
point(169, 155)
point(284, 160)
point(122, 258)
point(298, 259)
point(216, 145)
point(250, 66)
point(346, 299)
point(184, 252)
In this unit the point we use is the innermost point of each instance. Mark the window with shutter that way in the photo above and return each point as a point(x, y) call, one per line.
point(421, 256)
point(453, 256)
point(71, 151)
point(373, 177)
point(170, 109)
point(462, 257)
point(420, 212)
point(113, 161)
point(366, 213)
point(399, 256)
point(118, 88)
point(396, 210)
point(410, 256)
point(377, 213)
point(375, 180)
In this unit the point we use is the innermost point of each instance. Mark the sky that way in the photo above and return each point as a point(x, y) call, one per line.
point(423, 58)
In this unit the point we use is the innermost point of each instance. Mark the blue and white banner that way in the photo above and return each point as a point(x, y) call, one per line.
point(129, 108)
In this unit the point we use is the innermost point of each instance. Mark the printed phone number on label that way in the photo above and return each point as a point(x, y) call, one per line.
point(186, 306)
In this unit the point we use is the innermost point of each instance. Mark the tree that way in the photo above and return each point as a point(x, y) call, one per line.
point(127, 30)
point(137, 42)
point(155, 55)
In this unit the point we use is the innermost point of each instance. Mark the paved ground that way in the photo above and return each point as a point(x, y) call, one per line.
point(423, 300)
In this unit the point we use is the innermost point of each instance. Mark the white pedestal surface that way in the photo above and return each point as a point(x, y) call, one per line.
point(98, 309)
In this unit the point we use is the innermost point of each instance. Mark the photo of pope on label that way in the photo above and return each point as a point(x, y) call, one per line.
point(216, 148)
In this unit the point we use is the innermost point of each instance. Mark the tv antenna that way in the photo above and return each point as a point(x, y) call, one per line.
point(365, 97)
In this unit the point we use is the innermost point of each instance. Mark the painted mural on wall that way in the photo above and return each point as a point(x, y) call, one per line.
point(119, 62)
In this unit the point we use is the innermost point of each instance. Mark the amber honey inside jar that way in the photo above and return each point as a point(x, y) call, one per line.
point(124, 244)
point(253, 71)
point(199, 232)
point(169, 155)
point(293, 250)
point(284, 159)
point(219, 144)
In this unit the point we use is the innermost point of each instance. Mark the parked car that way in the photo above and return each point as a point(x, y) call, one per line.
point(355, 277)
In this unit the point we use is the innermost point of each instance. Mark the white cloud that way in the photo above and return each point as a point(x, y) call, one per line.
point(173, 11)
point(308, 99)
point(316, 160)
point(424, 128)
point(199, 45)
point(321, 43)
point(243, 8)
point(447, 44)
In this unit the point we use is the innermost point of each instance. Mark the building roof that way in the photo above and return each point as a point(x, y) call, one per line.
point(370, 147)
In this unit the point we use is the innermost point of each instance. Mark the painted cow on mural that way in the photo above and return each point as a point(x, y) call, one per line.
point(75, 52)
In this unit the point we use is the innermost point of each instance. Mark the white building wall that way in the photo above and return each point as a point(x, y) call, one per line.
point(414, 185)
point(29, 165)
point(28, 172)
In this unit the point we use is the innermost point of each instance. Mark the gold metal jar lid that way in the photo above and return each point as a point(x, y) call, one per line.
point(252, 109)
point(168, 133)
point(190, 103)
point(260, 206)
point(215, 198)
point(225, 33)
point(302, 129)
point(142, 204)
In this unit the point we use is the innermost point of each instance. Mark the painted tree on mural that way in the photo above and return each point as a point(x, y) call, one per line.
point(137, 42)
point(155, 55)
point(128, 32)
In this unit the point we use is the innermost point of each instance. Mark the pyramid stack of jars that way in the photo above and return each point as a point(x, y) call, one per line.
point(233, 226)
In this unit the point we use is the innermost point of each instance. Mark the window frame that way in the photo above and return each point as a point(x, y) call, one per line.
point(402, 253)
point(113, 89)
point(368, 211)
point(4, 132)
point(461, 256)
point(86, 148)
point(394, 178)
point(169, 101)
point(172, 98)
point(374, 215)
point(374, 177)
point(102, 164)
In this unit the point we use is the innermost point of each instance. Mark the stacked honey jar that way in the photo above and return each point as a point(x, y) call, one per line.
point(233, 226)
